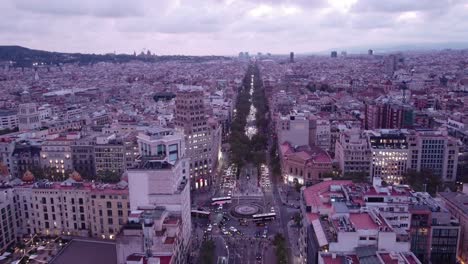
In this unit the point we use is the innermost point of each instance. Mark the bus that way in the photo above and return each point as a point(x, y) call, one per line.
point(262, 218)
point(200, 214)
point(221, 200)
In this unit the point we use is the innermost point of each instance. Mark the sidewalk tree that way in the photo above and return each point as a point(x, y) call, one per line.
point(424, 180)
point(298, 219)
point(207, 252)
point(281, 251)
point(108, 176)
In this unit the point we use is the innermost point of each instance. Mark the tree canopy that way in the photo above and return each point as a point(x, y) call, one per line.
point(421, 181)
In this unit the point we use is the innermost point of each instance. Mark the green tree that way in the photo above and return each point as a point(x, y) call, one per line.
point(311, 87)
point(357, 177)
point(297, 186)
point(207, 251)
point(424, 180)
point(281, 251)
point(298, 219)
point(108, 176)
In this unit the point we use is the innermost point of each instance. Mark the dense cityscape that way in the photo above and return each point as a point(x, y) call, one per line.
point(254, 159)
point(234, 132)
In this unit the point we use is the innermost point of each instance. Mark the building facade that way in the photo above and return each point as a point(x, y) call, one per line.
point(9, 218)
point(8, 119)
point(293, 128)
point(389, 154)
point(202, 146)
point(353, 152)
point(434, 150)
point(159, 226)
point(28, 117)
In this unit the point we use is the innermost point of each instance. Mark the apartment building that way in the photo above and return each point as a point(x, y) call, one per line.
point(353, 152)
point(389, 154)
point(202, 136)
point(71, 207)
point(8, 217)
point(434, 150)
point(159, 200)
point(8, 119)
point(293, 128)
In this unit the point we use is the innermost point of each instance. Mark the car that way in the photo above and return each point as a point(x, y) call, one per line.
point(210, 227)
point(226, 233)
point(239, 233)
point(259, 256)
point(233, 229)
point(265, 233)
point(273, 209)
point(257, 234)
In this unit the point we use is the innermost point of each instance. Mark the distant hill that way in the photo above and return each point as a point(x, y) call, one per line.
point(24, 57)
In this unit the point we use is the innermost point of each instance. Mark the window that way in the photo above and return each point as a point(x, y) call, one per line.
point(109, 212)
point(109, 205)
point(173, 152)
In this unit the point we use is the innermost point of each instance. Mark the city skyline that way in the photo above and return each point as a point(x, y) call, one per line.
point(211, 27)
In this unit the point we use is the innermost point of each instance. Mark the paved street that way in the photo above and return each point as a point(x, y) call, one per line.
point(236, 236)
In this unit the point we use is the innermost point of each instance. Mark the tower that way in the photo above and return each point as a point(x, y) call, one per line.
point(28, 117)
point(192, 120)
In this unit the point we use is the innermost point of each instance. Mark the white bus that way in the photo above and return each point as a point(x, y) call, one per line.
point(221, 200)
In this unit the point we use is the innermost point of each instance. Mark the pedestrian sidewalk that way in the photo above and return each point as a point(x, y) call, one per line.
point(282, 190)
point(293, 233)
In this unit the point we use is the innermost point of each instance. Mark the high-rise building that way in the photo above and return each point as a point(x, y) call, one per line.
point(388, 114)
point(390, 64)
point(202, 139)
point(291, 57)
point(334, 54)
point(159, 224)
point(28, 117)
point(370, 52)
point(389, 154)
point(434, 150)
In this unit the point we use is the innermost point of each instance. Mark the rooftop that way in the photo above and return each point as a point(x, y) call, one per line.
point(87, 251)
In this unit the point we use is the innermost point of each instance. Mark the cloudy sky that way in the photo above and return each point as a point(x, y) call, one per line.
point(225, 27)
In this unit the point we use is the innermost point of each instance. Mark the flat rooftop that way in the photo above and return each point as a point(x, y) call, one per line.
point(87, 251)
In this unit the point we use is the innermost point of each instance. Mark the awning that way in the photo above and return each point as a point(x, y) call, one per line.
point(319, 233)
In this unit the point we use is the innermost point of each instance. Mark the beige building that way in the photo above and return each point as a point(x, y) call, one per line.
point(202, 137)
point(434, 150)
point(352, 152)
point(293, 128)
point(71, 207)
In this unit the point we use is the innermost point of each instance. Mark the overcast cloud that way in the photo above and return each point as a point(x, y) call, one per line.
point(225, 27)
